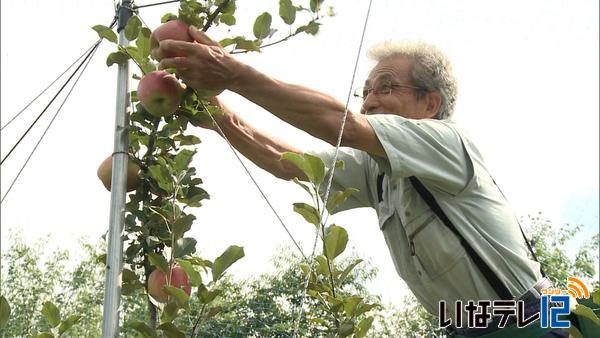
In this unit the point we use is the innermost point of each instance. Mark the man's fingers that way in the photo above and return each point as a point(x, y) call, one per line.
point(178, 47)
point(202, 37)
point(176, 62)
point(157, 54)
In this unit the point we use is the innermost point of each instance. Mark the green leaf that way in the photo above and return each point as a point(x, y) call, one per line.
point(312, 28)
point(205, 296)
point(350, 304)
point(230, 8)
point(336, 239)
point(168, 17)
point(317, 167)
point(184, 246)
point(574, 332)
point(185, 140)
point(128, 288)
point(312, 166)
point(226, 42)
point(171, 330)
point(128, 276)
point(339, 197)
point(347, 270)
point(68, 323)
point(346, 329)
point(101, 259)
point(302, 185)
point(148, 66)
point(45, 335)
point(322, 266)
point(52, 314)
point(227, 19)
point(143, 42)
point(182, 225)
point(335, 303)
point(315, 5)
point(142, 328)
point(116, 57)
point(194, 278)
point(287, 11)
point(584, 311)
point(363, 308)
point(162, 176)
point(299, 161)
point(183, 159)
point(363, 327)
point(305, 268)
point(132, 29)
point(105, 33)
point(230, 256)
point(4, 311)
point(159, 261)
point(596, 296)
point(248, 45)
point(133, 52)
point(310, 214)
point(213, 311)
point(169, 313)
point(180, 296)
point(262, 26)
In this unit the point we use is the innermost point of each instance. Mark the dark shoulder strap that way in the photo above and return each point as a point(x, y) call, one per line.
point(485, 269)
point(380, 187)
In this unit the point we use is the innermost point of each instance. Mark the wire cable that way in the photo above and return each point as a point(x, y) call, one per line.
point(54, 98)
point(155, 4)
point(46, 108)
point(45, 89)
point(86, 61)
point(334, 160)
point(257, 185)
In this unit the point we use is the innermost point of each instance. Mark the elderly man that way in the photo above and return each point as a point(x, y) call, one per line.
point(450, 232)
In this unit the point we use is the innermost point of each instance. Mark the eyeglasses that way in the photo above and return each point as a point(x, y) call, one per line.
point(384, 89)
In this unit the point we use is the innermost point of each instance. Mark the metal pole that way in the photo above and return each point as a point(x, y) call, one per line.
point(114, 257)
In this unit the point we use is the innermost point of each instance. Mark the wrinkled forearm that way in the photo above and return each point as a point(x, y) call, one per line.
point(314, 112)
point(259, 147)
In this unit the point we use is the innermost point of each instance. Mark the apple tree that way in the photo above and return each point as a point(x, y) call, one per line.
point(158, 212)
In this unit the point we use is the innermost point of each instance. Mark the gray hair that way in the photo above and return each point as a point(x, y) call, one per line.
point(431, 70)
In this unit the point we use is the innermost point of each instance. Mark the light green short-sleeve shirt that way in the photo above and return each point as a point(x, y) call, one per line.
point(426, 254)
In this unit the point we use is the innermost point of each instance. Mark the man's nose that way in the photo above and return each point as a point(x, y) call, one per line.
point(370, 104)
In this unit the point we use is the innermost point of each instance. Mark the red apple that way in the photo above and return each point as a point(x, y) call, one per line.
point(170, 30)
point(160, 93)
point(105, 174)
point(157, 279)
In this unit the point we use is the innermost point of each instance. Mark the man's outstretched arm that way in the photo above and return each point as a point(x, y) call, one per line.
point(259, 147)
point(208, 66)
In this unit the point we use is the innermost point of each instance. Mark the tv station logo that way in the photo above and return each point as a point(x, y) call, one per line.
point(553, 312)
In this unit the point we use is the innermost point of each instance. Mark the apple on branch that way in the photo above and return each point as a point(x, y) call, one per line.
point(158, 279)
point(160, 93)
point(170, 30)
point(105, 174)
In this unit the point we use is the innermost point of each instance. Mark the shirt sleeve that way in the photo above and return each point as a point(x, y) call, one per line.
point(353, 175)
point(428, 149)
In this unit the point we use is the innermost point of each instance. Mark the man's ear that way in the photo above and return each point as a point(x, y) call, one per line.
point(434, 102)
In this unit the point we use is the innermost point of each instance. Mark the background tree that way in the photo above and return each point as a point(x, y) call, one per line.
point(265, 306)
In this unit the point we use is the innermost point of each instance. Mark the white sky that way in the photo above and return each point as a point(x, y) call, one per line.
point(528, 77)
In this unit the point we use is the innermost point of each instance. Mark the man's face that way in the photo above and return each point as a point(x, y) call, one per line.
point(394, 73)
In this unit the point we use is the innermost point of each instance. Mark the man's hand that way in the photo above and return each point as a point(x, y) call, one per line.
point(205, 66)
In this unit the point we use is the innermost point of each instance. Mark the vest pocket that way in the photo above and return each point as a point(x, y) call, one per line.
point(433, 244)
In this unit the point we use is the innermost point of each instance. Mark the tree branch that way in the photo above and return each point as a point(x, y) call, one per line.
point(213, 16)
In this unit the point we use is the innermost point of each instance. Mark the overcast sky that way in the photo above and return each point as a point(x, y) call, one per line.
point(528, 95)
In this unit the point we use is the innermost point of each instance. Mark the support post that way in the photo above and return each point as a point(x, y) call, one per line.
point(114, 257)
